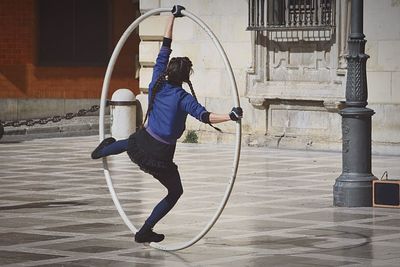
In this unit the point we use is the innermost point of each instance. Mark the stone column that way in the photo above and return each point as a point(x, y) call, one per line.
point(353, 188)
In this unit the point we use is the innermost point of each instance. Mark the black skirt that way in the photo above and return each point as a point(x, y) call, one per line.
point(151, 155)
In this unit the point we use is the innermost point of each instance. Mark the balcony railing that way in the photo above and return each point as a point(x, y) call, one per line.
point(293, 20)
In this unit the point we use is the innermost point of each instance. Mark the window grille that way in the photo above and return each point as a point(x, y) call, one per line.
point(293, 20)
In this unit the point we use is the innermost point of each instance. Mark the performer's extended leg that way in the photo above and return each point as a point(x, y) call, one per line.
point(115, 148)
point(110, 147)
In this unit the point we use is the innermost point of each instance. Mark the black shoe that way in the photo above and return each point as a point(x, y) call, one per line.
point(96, 154)
point(148, 237)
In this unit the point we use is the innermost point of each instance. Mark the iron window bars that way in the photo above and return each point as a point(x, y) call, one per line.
point(293, 20)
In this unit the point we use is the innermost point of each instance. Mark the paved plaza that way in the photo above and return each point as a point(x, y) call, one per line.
point(56, 209)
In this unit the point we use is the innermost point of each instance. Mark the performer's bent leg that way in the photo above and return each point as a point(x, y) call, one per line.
point(172, 182)
point(175, 190)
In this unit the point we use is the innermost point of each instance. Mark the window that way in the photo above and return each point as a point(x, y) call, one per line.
point(73, 32)
point(315, 19)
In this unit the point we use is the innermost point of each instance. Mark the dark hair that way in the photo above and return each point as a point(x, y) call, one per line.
point(178, 71)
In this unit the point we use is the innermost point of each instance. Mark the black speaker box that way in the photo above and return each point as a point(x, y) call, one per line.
point(386, 193)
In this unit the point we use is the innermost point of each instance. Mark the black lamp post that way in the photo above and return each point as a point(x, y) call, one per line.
point(353, 188)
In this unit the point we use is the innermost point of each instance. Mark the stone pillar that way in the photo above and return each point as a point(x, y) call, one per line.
point(353, 188)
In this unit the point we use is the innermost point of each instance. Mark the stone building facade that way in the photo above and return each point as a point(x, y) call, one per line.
point(291, 83)
point(291, 80)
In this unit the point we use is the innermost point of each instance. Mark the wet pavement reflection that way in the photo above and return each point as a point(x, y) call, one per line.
point(55, 209)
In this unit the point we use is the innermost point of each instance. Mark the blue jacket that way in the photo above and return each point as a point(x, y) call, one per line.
point(172, 104)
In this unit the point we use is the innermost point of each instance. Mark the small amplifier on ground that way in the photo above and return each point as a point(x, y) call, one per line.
point(386, 193)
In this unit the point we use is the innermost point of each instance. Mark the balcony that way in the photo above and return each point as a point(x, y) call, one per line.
point(293, 20)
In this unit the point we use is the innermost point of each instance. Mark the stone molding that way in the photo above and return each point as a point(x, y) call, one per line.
point(299, 71)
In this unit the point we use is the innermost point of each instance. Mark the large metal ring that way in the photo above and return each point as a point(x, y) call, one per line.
point(103, 102)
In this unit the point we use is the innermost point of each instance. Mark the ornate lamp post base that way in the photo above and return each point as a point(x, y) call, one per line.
point(349, 192)
point(353, 188)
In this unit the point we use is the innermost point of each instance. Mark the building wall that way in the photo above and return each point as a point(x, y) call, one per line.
point(228, 21)
point(382, 31)
point(16, 46)
point(21, 78)
point(283, 107)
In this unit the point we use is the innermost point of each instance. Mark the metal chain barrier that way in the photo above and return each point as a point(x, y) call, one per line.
point(42, 121)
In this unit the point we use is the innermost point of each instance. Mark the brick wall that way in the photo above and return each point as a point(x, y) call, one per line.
point(16, 45)
point(20, 77)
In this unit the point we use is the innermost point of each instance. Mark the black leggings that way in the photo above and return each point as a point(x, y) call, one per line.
point(172, 181)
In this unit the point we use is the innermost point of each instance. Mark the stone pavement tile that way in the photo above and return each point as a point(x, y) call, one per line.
point(328, 216)
point(89, 228)
point(94, 262)
point(14, 238)
point(91, 214)
point(55, 209)
point(387, 222)
point(24, 222)
point(366, 251)
point(90, 245)
point(356, 232)
point(10, 257)
point(29, 198)
point(278, 260)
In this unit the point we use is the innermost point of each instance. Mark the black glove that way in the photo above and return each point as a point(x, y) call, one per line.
point(176, 11)
point(236, 113)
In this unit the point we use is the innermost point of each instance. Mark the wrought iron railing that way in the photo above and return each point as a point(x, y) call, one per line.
point(294, 19)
